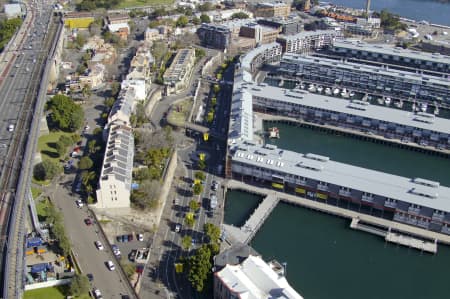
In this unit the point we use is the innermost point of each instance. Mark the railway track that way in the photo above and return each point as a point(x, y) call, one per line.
point(16, 175)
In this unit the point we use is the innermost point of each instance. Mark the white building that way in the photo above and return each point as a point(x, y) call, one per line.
point(114, 187)
point(13, 10)
point(252, 279)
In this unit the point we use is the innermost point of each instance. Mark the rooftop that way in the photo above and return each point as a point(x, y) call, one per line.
point(306, 34)
point(322, 169)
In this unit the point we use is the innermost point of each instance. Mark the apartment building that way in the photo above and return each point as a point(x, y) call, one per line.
point(378, 80)
point(177, 75)
point(252, 279)
point(307, 41)
point(272, 9)
point(214, 35)
point(268, 53)
point(261, 34)
point(287, 26)
point(93, 77)
point(114, 188)
point(414, 61)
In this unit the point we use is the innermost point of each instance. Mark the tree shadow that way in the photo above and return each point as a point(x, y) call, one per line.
point(51, 144)
point(50, 154)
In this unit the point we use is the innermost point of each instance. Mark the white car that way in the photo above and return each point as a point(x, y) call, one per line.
point(110, 266)
point(79, 203)
point(99, 245)
point(140, 237)
point(97, 294)
point(11, 128)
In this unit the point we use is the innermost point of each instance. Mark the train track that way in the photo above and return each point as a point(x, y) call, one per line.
point(16, 175)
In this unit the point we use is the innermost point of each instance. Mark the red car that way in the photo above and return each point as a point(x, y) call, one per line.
point(88, 221)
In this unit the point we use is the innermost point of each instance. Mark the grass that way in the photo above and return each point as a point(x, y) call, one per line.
point(35, 192)
point(136, 3)
point(59, 292)
point(177, 116)
point(41, 209)
point(46, 144)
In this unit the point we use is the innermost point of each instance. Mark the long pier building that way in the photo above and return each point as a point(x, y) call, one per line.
point(414, 201)
point(382, 80)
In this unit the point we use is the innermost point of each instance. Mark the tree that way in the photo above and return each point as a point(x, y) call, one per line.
point(86, 91)
point(200, 175)
point(109, 102)
point(199, 53)
point(212, 231)
point(80, 40)
point(87, 179)
point(207, 6)
point(92, 146)
point(189, 220)
point(85, 163)
point(154, 24)
point(205, 18)
point(146, 196)
point(194, 205)
point(196, 21)
point(199, 267)
point(65, 114)
point(186, 242)
point(216, 88)
point(201, 164)
point(115, 88)
point(79, 285)
point(128, 268)
point(239, 15)
point(46, 170)
point(182, 21)
point(66, 140)
point(60, 148)
point(197, 189)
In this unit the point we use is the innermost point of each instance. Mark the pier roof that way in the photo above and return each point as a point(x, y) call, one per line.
point(339, 105)
point(394, 51)
point(396, 187)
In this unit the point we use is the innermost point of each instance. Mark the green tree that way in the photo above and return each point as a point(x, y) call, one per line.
point(205, 18)
point(218, 76)
point(194, 205)
point(109, 102)
point(199, 53)
point(88, 178)
point(214, 102)
point(239, 15)
point(186, 242)
point(207, 6)
point(65, 114)
point(189, 220)
point(197, 189)
point(46, 170)
point(80, 40)
point(154, 23)
point(115, 88)
point(86, 91)
point(199, 266)
point(128, 268)
point(66, 140)
point(210, 117)
point(216, 88)
point(92, 146)
point(60, 149)
point(201, 164)
point(79, 285)
point(212, 231)
point(200, 175)
point(182, 21)
point(85, 163)
point(196, 21)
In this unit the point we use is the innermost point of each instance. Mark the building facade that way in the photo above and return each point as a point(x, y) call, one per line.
point(261, 34)
point(177, 75)
point(272, 9)
point(413, 201)
point(307, 41)
point(286, 26)
point(214, 35)
point(252, 279)
point(378, 80)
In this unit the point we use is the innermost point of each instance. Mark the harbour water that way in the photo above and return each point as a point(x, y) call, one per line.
point(327, 259)
point(238, 206)
point(433, 11)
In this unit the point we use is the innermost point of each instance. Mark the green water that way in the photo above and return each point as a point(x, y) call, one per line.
point(239, 205)
point(327, 260)
point(366, 154)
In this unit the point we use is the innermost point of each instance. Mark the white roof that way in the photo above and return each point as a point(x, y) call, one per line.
point(248, 58)
point(13, 9)
point(413, 191)
point(255, 279)
point(381, 113)
point(116, 27)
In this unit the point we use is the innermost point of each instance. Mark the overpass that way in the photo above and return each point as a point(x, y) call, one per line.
point(192, 127)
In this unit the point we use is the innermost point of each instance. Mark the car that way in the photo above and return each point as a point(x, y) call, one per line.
point(86, 127)
point(177, 227)
point(130, 237)
point(79, 203)
point(99, 245)
point(214, 185)
point(110, 266)
point(116, 250)
point(88, 221)
point(140, 237)
point(97, 293)
point(11, 128)
point(90, 276)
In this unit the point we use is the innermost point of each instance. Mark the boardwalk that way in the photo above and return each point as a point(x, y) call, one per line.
point(323, 207)
point(245, 233)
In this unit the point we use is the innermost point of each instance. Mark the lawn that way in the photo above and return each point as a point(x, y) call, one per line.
point(41, 207)
point(46, 144)
point(35, 192)
point(179, 112)
point(50, 293)
point(136, 3)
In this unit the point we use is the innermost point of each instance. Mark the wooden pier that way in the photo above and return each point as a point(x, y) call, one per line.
point(374, 224)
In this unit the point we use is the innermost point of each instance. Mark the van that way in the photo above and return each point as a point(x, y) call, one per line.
point(11, 128)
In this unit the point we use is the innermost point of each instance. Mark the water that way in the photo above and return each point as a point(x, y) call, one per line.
point(239, 206)
point(327, 260)
point(433, 11)
point(363, 153)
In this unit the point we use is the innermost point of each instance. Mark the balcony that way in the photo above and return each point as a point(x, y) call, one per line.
point(322, 187)
point(390, 204)
point(367, 198)
point(345, 193)
point(413, 210)
point(438, 217)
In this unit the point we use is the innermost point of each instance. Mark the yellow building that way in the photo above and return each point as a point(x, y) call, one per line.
point(79, 20)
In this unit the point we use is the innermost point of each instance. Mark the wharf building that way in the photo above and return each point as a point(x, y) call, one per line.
point(272, 9)
point(379, 80)
point(307, 41)
point(415, 61)
point(413, 201)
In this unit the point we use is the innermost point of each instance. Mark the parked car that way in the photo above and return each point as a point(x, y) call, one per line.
point(110, 266)
point(90, 276)
point(79, 203)
point(99, 245)
point(177, 227)
point(97, 294)
point(88, 221)
point(140, 237)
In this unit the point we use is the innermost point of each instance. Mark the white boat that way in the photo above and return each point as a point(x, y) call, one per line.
point(352, 94)
point(319, 88)
point(328, 91)
point(436, 110)
point(344, 93)
point(302, 86)
point(423, 107)
point(414, 107)
point(336, 91)
point(387, 101)
point(380, 101)
point(311, 87)
point(398, 104)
